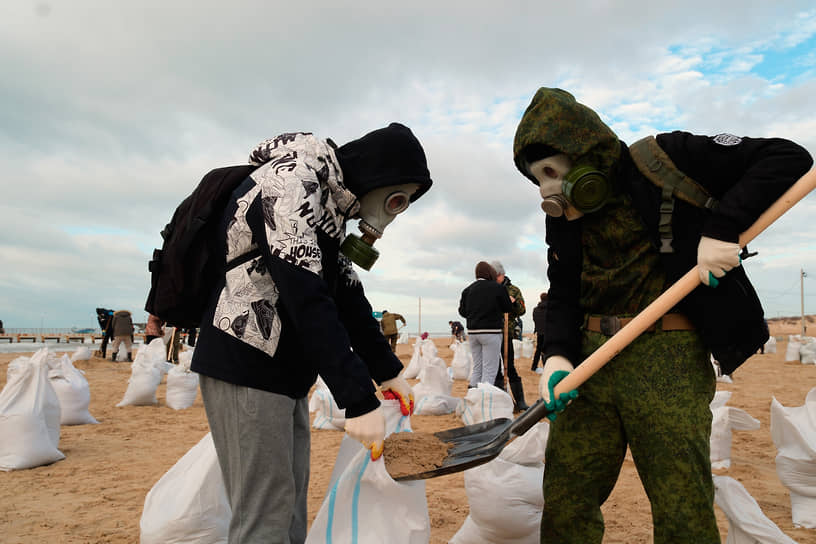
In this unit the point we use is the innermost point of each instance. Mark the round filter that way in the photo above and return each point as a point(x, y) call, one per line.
point(359, 252)
point(587, 189)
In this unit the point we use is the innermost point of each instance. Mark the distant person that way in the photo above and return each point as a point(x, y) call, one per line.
point(457, 330)
point(538, 322)
point(389, 327)
point(174, 345)
point(104, 317)
point(483, 304)
point(154, 328)
point(2, 329)
point(518, 310)
point(192, 332)
point(121, 326)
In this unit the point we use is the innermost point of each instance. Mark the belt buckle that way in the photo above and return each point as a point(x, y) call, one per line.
point(610, 324)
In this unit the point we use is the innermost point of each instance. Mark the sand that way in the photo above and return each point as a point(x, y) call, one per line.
point(96, 494)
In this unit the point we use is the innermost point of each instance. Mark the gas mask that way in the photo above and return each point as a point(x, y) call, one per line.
point(567, 190)
point(377, 209)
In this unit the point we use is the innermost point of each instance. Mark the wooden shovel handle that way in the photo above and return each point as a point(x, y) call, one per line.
point(674, 294)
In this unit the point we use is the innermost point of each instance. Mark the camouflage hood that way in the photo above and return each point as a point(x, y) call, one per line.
point(555, 119)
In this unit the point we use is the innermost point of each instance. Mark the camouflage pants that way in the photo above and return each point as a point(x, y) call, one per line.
point(654, 398)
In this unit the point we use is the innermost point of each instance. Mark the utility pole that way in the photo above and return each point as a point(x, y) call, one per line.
point(802, 275)
point(419, 330)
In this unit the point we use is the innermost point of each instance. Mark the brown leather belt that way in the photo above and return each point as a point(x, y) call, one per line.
point(610, 324)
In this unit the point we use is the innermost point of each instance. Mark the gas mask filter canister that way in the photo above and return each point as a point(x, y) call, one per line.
point(377, 209)
point(569, 190)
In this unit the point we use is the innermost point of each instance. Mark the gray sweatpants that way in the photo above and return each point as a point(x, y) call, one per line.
point(486, 351)
point(262, 441)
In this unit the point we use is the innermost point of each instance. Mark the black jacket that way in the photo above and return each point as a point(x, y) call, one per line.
point(746, 176)
point(483, 303)
point(538, 317)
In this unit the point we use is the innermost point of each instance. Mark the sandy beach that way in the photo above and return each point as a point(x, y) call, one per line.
point(96, 494)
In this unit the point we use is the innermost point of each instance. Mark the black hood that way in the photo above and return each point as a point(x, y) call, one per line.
point(384, 157)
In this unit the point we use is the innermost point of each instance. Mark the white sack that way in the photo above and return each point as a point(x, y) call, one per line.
point(83, 353)
point(365, 505)
point(432, 395)
point(415, 364)
point(807, 353)
point(517, 348)
point(462, 362)
point(483, 403)
point(329, 416)
point(73, 392)
point(747, 524)
point(182, 385)
point(29, 415)
point(792, 351)
point(724, 420)
point(145, 378)
point(770, 345)
point(527, 348)
point(428, 349)
point(513, 480)
point(189, 504)
point(793, 431)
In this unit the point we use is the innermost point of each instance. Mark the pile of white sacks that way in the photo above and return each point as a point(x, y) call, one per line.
point(147, 371)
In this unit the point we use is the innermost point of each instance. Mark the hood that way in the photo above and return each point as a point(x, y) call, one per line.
point(555, 119)
point(121, 313)
point(384, 157)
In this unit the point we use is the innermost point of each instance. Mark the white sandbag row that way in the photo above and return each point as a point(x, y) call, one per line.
point(724, 420)
point(793, 430)
point(424, 352)
point(72, 390)
point(29, 415)
point(801, 348)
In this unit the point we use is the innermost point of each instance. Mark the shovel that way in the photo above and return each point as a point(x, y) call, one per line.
point(474, 445)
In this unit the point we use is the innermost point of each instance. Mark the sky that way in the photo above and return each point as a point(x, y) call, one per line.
point(112, 111)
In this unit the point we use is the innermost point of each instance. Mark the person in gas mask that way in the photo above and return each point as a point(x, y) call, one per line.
point(290, 307)
point(616, 242)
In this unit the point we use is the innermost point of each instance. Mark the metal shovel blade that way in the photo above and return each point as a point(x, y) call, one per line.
point(473, 445)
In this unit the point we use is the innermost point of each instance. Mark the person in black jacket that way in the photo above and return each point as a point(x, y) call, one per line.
point(617, 239)
point(540, 327)
point(483, 304)
point(290, 307)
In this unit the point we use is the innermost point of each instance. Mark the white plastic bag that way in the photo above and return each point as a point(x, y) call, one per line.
point(29, 415)
point(483, 403)
point(792, 351)
point(146, 374)
point(73, 392)
point(793, 431)
point(365, 505)
point(747, 524)
point(770, 345)
point(329, 416)
point(432, 395)
point(724, 420)
point(189, 504)
point(527, 348)
point(808, 353)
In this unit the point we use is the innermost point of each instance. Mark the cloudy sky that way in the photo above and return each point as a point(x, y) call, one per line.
point(111, 111)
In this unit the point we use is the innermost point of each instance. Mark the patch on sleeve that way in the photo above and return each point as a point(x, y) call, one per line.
point(727, 139)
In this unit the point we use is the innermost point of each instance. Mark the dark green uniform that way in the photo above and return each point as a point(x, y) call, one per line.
point(653, 397)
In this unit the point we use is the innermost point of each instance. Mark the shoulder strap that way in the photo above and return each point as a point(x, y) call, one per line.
point(658, 168)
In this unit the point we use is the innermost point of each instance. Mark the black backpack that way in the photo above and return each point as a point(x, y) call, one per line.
point(190, 263)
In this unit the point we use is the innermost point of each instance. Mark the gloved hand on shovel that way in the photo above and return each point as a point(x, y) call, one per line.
point(369, 430)
point(715, 258)
point(556, 368)
point(398, 388)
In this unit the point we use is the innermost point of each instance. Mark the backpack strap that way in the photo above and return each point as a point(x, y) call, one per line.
point(658, 168)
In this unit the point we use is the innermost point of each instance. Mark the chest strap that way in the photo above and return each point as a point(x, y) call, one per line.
point(658, 168)
point(608, 325)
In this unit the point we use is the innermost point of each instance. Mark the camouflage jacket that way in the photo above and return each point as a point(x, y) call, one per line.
point(514, 292)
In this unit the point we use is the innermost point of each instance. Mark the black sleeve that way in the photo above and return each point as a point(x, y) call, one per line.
point(503, 300)
point(745, 174)
point(563, 315)
point(365, 332)
point(315, 317)
point(463, 311)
